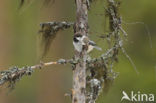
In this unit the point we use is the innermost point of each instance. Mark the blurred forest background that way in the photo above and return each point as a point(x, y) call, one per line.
point(19, 45)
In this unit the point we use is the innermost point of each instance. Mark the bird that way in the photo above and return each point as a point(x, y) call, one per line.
point(81, 40)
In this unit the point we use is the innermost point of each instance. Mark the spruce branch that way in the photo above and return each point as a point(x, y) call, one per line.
point(49, 31)
point(14, 74)
point(101, 73)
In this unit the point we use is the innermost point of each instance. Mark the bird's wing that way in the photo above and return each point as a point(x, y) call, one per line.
point(92, 43)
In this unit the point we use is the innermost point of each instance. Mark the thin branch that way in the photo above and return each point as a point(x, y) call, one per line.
point(129, 58)
point(146, 29)
point(55, 26)
point(15, 73)
point(49, 31)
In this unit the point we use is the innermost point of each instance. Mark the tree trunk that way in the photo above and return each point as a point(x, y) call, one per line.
point(79, 72)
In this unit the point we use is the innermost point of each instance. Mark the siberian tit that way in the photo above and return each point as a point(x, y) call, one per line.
point(81, 40)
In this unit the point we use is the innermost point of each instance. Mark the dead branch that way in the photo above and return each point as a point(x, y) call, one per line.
point(14, 74)
point(49, 31)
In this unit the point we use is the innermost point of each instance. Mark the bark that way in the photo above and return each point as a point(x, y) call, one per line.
point(79, 72)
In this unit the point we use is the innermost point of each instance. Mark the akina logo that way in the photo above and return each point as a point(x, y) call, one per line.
point(137, 96)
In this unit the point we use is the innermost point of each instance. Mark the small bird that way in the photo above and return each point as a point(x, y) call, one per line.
point(81, 40)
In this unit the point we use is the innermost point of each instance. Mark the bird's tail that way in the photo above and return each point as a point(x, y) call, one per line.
point(98, 48)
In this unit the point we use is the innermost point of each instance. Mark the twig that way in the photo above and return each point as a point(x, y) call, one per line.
point(146, 29)
point(15, 73)
point(129, 58)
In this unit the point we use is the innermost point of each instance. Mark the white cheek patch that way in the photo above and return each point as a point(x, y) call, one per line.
point(78, 46)
point(79, 38)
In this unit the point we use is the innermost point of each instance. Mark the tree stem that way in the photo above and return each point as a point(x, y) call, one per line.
point(79, 73)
